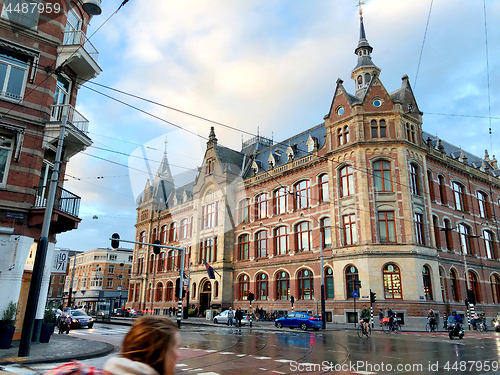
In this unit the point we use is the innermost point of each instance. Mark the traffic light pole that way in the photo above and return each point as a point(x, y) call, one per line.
point(323, 312)
point(115, 240)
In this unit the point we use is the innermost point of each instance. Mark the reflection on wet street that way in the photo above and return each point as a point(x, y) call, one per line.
point(211, 351)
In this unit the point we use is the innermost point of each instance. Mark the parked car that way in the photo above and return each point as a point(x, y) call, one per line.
point(121, 312)
point(299, 320)
point(135, 313)
point(222, 318)
point(80, 319)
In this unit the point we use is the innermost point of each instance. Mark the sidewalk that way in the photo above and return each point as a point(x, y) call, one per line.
point(61, 348)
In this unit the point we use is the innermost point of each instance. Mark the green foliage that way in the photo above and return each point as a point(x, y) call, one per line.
point(49, 316)
point(9, 314)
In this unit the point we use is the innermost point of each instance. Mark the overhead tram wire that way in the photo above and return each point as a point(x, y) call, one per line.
point(423, 43)
point(487, 72)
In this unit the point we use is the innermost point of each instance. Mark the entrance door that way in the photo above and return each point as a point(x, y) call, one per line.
point(205, 297)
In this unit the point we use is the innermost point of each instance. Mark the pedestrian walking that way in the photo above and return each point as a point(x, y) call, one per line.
point(238, 316)
point(230, 317)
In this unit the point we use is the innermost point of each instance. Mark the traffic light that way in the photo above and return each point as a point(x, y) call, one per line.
point(373, 297)
point(250, 297)
point(292, 300)
point(156, 249)
point(177, 289)
point(115, 242)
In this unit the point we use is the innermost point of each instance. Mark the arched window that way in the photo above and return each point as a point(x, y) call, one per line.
point(244, 282)
point(495, 288)
point(346, 181)
point(173, 232)
point(306, 284)
point(382, 175)
point(351, 276)
point(302, 195)
point(329, 283)
point(184, 228)
point(153, 237)
point(216, 289)
point(262, 287)
point(431, 186)
point(482, 200)
point(474, 285)
point(170, 291)
point(326, 232)
point(149, 292)
point(243, 246)
point(194, 291)
point(303, 236)
point(464, 235)
point(163, 235)
point(392, 282)
point(261, 244)
point(378, 131)
point(142, 237)
point(151, 263)
point(414, 182)
point(244, 211)
point(343, 135)
point(282, 285)
point(346, 134)
point(161, 262)
point(171, 260)
point(426, 278)
point(458, 193)
point(442, 281)
point(280, 201)
point(442, 189)
point(159, 292)
point(447, 232)
point(261, 206)
point(281, 240)
point(455, 287)
point(410, 133)
point(323, 188)
point(489, 244)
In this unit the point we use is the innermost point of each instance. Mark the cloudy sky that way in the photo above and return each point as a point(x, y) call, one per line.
point(267, 66)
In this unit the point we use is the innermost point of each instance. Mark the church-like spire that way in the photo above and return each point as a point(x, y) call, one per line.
point(212, 140)
point(365, 68)
point(164, 168)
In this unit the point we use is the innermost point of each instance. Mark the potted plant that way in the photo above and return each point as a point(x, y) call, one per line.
point(49, 320)
point(7, 328)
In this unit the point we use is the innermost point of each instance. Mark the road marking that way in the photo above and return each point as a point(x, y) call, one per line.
point(262, 357)
point(283, 360)
point(209, 373)
point(240, 355)
point(180, 365)
point(364, 372)
point(210, 350)
point(226, 353)
point(278, 372)
point(263, 369)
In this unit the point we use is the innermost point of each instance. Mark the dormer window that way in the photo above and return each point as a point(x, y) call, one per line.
point(311, 144)
point(290, 153)
point(210, 166)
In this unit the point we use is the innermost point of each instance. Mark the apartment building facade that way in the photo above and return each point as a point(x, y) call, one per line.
point(44, 58)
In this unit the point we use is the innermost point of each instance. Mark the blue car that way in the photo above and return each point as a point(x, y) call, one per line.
point(299, 320)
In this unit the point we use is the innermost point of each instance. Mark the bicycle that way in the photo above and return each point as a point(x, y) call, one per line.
point(361, 330)
point(481, 326)
point(431, 327)
point(387, 328)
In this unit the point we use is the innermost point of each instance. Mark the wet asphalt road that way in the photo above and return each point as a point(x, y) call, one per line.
point(223, 350)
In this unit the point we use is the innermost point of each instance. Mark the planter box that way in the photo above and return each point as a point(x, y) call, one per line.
point(46, 332)
point(6, 336)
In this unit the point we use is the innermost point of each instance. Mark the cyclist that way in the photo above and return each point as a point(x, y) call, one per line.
point(390, 315)
point(365, 316)
point(432, 319)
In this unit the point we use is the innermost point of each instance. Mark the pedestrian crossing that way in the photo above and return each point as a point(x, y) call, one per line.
point(101, 331)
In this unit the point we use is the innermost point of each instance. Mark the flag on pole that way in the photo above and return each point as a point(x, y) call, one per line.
point(210, 270)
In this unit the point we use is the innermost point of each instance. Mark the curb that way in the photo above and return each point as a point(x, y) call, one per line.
point(108, 349)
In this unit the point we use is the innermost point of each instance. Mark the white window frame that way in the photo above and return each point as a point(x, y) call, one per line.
point(8, 159)
point(10, 64)
point(31, 23)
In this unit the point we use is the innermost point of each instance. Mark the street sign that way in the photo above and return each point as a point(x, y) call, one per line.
point(119, 287)
point(355, 294)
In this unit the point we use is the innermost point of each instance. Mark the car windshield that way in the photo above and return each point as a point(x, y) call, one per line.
point(78, 313)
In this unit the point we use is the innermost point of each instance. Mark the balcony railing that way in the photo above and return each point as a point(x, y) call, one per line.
point(75, 118)
point(64, 201)
point(76, 37)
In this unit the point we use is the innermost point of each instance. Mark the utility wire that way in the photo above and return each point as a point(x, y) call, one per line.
point(423, 43)
point(487, 72)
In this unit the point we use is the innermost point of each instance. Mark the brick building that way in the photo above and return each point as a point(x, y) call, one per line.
point(390, 205)
point(100, 275)
point(44, 57)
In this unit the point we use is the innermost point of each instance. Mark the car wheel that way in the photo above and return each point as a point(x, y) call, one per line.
point(303, 326)
point(215, 321)
point(279, 325)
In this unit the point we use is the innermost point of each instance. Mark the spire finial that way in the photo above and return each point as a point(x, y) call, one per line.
point(360, 9)
point(166, 142)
